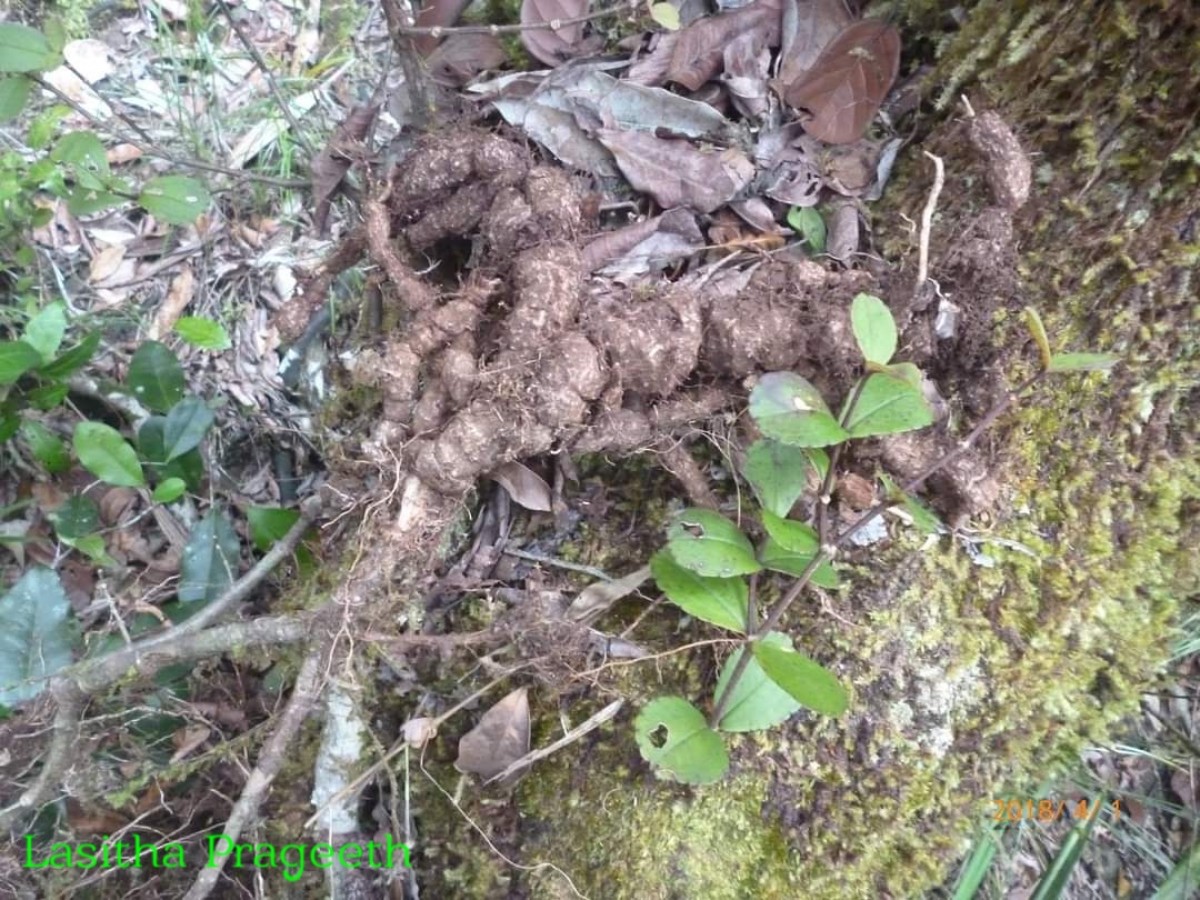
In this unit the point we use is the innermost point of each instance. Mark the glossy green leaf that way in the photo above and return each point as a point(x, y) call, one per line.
point(1082, 362)
point(74, 359)
point(203, 333)
point(807, 222)
point(210, 559)
point(175, 199)
point(93, 547)
point(14, 93)
point(187, 423)
point(36, 636)
point(788, 408)
point(874, 329)
point(710, 545)
point(23, 49)
point(107, 455)
point(269, 523)
point(757, 702)
point(156, 377)
point(778, 474)
point(45, 331)
point(888, 405)
point(47, 447)
point(673, 736)
point(17, 358)
point(170, 490)
point(778, 558)
point(805, 680)
point(718, 601)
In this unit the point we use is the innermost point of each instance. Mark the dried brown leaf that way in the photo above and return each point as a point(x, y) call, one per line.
point(848, 82)
point(179, 295)
point(549, 45)
point(842, 240)
point(333, 162)
point(461, 57)
point(500, 738)
point(634, 249)
point(599, 597)
point(808, 27)
point(675, 172)
point(699, 52)
point(438, 13)
point(526, 487)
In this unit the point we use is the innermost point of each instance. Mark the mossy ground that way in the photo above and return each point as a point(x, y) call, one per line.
point(968, 681)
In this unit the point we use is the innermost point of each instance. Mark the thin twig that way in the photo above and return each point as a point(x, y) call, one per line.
point(553, 24)
point(587, 725)
point(939, 178)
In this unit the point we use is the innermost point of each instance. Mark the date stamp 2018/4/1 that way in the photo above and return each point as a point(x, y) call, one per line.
point(1029, 809)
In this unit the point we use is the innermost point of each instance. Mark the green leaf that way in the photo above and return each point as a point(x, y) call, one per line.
point(83, 150)
point(170, 490)
point(805, 680)
point(665, 15)
point(35, 634)
point(874, 329)
point(47, 447)
point(187, 423)
point(23, 49)
point(14, 93)
point(9, 422)
point(269, 523)
point(74, 359)
point(757, 702)
point(203, 333)
point(673, 736)
point(1033, 321)
point(1184, 880)
point(789, 409)
point(17, 358)
point(48, 396)
point(92, 546)
point(152, 445)
point(888, 405)
point(1082, 362)
point(718, 601)
point(77, 517)
point(87, 201)
point(45, 331)
point(107, 455)
point(795, 537)
point(778, 473)
point(923, 517)
point(156, 377)
point(710, 545)
point(778, 558)
point(42, 128)
point(807, 222)
point(175, 199)
point(210, 559)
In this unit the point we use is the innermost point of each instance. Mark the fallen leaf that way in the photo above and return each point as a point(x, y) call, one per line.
point(747, 60)
point(675, 172)
point(330, 166)
point(461, 57)
point(552, 46)
point(500, 738)
point(419, 732)
point(105, 263)
point(843, 90)
point(808, 26)
point(599, 597)
point(699, 52)
point(638, 248)
point(842, 241)
point(439, 13)
point(526, 487)
point(179, 295)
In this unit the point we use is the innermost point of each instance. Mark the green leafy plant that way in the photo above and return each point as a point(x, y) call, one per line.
point(710, 567)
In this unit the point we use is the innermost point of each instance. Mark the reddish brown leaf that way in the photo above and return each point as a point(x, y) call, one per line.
point(847, 84)
point(461, 57)
point(808, 27)
point(699, 52)
point(434, 14)
point(549, 45)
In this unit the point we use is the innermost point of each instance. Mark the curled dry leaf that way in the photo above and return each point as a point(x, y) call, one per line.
point(842, 242)
point(461, 57)
point(434, 14)
point(635, 249)
point(549, 45)
point(677, 174)
point(419, 732)
point(500, 738)
point(699, 52)
point(599, 597)
point(525, 486)
point(808, 27)
point(333, 162)
point(845, 87)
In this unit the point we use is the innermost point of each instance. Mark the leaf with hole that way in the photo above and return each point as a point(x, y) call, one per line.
point(14, 92)
point(790, 409)
point(710, 545)
point(778, 474)
point(155, 376)
point(806, 681)
point(1082, 362)
point(757, 702)
point(807, 222)
point(23, 49)
point(874, 329)
point(107, 455)
point(718, 601)
point(187, 423)
point(45, 331)
point(36, 636)
point(210, 559)
point(203, 333)
point(17, 358)
point(174, 199)
point(673, 736)
point(888, 405)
